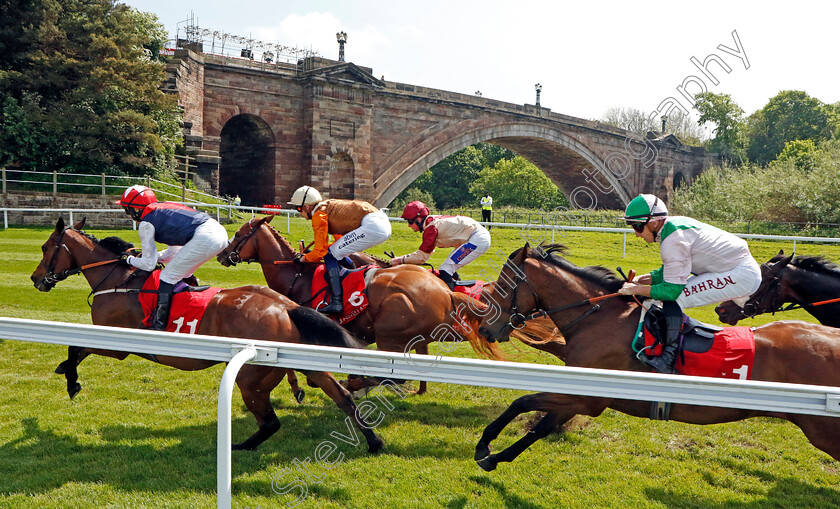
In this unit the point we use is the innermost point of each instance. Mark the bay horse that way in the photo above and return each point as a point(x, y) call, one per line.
point(801, 281)
point(539, 279)
point(409, 307)
point(115, 288)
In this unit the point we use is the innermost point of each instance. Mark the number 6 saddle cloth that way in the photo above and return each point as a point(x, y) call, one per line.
point(187, 307)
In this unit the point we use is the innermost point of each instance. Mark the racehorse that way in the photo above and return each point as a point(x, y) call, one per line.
point(804, 281)
point(599, 336)
point(267, 316)
point(408, 307)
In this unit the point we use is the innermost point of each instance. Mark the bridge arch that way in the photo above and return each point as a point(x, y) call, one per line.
point(247, 151)
point(568, 163)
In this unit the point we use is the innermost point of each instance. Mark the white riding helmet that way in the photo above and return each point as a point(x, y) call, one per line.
point(305, 195)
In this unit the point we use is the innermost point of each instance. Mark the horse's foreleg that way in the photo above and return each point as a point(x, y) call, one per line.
point(344, 400)
point(291, 377)
point(70, 371)
point(256, 383)
point(560, 406)
point(62, 368)
point(546, 425)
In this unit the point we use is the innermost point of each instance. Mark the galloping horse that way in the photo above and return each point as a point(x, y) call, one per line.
point(537, 279)
point(409, 306)
point(267, 316)
point(802, 281)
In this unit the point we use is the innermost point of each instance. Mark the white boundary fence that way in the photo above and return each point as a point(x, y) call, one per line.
point(747, 394)
point(522, 226)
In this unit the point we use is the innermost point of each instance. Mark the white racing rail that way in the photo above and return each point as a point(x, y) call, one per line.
point(747, 394)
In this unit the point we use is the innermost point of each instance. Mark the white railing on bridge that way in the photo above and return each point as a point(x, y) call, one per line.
point(747, 394)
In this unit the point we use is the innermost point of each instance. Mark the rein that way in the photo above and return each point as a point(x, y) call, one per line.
point(751, 310)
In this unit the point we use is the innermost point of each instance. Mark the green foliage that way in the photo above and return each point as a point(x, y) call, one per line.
point(78, 92)
point(804, 185)
point(409, 195)
point(727, 117)
point(790, 115)
point(518, 182)
point(449, 181)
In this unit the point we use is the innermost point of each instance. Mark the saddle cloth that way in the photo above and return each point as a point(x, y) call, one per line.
point(706, 350)
point(353, 286)
point(187, 307)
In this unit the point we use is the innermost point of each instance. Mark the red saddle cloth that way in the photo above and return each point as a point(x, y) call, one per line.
point(187, 307)
point(731, 355)
point(353, 286)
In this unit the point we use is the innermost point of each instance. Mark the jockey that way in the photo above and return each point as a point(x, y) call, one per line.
point(701, 265)
point(193, 238)
point(470, 238)
point(356, 225)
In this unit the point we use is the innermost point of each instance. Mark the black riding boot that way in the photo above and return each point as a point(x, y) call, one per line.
point(447, 278)
point(164, 302)
point(336, 305)
point(665, 362)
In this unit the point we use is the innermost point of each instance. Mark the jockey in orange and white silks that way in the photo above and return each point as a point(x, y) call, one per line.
point(470, 239)
point(355, 224)
point(701, 265)
point(193, 238)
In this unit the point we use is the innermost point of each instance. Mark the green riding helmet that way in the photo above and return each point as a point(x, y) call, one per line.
point(643, 208)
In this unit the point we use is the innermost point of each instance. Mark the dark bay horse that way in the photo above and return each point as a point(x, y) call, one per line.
point(790, 351)
point(800, 281)
point(409, 306)
point(267, 316)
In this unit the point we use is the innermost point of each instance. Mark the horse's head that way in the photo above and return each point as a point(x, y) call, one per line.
point(57, 262)
point(244, 247)
point(512, 295)
point(767, 299)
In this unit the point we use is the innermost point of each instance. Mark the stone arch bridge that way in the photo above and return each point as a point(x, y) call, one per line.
point(260, 130)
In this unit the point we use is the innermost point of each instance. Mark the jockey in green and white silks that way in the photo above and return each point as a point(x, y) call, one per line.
point(701, 264)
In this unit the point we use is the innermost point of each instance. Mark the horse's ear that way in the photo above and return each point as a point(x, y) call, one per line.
point(59, 225)
point(267, 219)
point(777, 267)
point(80, 225)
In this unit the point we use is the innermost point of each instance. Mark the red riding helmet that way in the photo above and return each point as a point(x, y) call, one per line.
point(137, 197)
point(413, 210)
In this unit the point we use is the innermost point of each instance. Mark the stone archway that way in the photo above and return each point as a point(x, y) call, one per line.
point(247, 151)
point(342, 176)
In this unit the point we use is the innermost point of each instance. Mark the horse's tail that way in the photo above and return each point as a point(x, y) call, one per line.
point(317, 329)
point(465, 307)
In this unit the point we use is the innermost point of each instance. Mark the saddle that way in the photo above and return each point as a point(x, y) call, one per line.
point(697, 337)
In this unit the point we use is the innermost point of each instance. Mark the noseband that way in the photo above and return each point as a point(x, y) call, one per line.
point(751, 307)
point(52, 278)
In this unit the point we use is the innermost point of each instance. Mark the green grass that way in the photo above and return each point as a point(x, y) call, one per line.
point(143, 435)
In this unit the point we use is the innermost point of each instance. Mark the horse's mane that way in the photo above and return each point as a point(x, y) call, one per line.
point(114, 244)
point(815, 263)
point(597, 274)
point(280, 238)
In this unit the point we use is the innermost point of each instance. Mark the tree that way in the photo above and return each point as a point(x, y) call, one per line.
point(518, 182)
point(790, 115)
point(727, 117)
point(78, 93)
point(639, 122)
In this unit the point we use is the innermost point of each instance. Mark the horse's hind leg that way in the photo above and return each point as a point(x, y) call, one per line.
point(822, 432)
point(344, 400)
point(546, 425)
point(256, 383)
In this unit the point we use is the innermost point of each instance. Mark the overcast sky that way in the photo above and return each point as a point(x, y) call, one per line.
point(587, 55)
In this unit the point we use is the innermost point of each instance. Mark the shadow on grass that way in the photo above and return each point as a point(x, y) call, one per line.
point(784, 492)
point(510, 500)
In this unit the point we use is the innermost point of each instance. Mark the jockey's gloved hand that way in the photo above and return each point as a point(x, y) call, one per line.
point(299, 258)
point(123, 259)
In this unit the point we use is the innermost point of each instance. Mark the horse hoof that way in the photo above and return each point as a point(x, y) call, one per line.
point(481, 451)
point(72, 391)
point(376, 447)
point(487, 464)
point(60, 369)
point(242, 447)
point(299, 395)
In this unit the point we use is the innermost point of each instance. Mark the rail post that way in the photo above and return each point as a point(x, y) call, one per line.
point(103, 184)
point(4, 179)
point(55, 182)
point(223, 437)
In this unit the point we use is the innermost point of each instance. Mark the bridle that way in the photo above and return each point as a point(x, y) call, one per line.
point(233, 256)
point(517, 319)
point(751, 308)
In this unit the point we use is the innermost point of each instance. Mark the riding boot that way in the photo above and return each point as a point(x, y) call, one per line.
point(447, 278)
point(665, 362)
point(161, 315)
point(336, 305)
